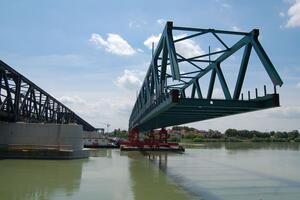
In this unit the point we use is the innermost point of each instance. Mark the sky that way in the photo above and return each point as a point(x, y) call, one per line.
point(92, 55)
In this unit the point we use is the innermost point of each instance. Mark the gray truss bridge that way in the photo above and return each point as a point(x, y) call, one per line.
point(22, 100)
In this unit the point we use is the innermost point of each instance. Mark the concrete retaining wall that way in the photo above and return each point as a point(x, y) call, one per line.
point(63, 136)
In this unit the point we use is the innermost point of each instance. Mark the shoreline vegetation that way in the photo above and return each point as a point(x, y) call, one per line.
point(189, 135)
point(195, 136)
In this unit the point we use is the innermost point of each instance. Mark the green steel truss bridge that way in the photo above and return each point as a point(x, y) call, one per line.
point(171, 93)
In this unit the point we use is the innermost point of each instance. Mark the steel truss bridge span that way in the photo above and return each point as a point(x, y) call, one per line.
point(170, 95)
point(22, 100)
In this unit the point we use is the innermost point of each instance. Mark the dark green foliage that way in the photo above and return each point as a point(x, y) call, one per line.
point(120, 133)
point(231, 133)
point(280, 140)
point(174, 139)
point(257, 136)
point(198, 139)
point(213, 134)
point(190, 136)
point(293, 134)
point(279, 134)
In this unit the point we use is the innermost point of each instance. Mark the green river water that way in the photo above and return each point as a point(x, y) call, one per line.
point(213, 171)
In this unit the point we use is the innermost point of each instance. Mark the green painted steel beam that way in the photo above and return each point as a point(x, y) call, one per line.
point(172, 52)
point(222, 81)
point(242, 71)
point(266, 62)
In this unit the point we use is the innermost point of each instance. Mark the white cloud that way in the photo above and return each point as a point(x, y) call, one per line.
point(285, 112)
point(68, 100)
point(130, 79)
point(152, 39)
point(107, 109)
point(235, 28)
point(226, 5)
point(114, 44)
point(187, 48)
point(218, 49)
point(294, 15)
point(136, 23)
point(218, 93)
point(298, 85)
point(161, 22)
point(281, 14)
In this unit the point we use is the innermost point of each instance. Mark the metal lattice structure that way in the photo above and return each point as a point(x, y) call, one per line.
point(22, 100)
point(175, 97)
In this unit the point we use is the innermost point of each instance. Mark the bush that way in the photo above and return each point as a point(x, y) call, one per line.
point(293, 134)
point(231, 133)
point(279, 140)
point(190, 136)
point(198, 139)
point(297, 139)
point(245, 134)
point(279, 134)
point(174, 139)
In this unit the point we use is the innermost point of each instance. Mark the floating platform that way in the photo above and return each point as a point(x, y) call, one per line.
point(169, 149)
point(146, 146)
point(43, 154)
point(101, 146)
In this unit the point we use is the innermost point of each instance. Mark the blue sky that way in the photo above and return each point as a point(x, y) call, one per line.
point(92, 56)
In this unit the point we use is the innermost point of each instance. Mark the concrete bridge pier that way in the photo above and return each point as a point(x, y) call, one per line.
point(41, 141)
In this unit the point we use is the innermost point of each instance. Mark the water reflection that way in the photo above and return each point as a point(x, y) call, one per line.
point(266, 146)
point(237, 170)
point(249, 146)
point(100, 153)
point(160, 159)
point(39, 179)
point(150, 182)
point(213, 171)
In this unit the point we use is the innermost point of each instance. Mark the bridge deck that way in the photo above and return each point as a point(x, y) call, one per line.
point(174, 111)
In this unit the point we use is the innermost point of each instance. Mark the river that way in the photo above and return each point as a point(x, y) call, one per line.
point(212, 171)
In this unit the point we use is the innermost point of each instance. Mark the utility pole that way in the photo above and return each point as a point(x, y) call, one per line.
point(107, 126)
